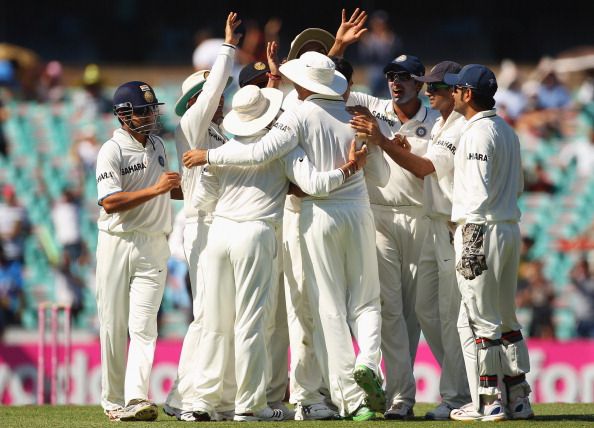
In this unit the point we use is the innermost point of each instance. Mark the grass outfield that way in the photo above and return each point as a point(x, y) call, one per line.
point(548, 415)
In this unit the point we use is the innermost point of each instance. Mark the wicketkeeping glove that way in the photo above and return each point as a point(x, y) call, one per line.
point(473, 262)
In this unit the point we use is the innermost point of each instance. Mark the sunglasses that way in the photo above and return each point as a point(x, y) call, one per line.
point(434, 86)
point(462, 87)
point(398, 76)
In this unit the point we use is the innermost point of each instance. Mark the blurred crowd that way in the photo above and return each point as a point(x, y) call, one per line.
point(551, 105)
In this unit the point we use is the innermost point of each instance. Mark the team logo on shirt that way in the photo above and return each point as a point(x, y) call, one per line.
point(421, 131)
point(383, 117)
point(447, 145)
point(161, 161)
point(133, 168)
point(478, 157)
point(104, 175)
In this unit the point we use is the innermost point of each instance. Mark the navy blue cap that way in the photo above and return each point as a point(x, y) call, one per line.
point(252, 71)
point(438, 71)
point(409, 63)
point(134, 94)
point(474, 76)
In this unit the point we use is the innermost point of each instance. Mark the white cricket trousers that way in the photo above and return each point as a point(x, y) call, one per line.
point(183, 393)
point(131, 272)
point(306, 375)
point(488, 310)
point(400, 232)
point(340, 268)
point(239, 281)
point(438, 308)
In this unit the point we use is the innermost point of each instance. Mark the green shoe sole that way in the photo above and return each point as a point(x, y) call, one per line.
point(366, 379)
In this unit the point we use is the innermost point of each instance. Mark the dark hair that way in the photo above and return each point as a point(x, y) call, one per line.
point(483, 102)
point(344, 67)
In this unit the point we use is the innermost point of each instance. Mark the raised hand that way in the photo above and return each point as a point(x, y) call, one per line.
point(231, 37)
point(351, 31)
point(193, 158)
point(272, 56)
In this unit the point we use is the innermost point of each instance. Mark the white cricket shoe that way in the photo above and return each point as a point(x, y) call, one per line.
point(265, 415)
point(440, 413)
point(179, 414)
point(490, 413)
point(289, 414)
point(317, 412)
point(400, 411)
point(521, 409)
point(139, 410)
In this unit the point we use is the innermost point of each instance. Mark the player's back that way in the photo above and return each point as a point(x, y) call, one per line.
point(326, 136)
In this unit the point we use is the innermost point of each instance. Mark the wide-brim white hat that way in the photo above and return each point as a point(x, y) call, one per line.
point(252, 109)
point(191, 86)
point(315, 35)
point(315, 72)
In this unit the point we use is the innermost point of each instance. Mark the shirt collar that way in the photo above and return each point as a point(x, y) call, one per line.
point(481, 115)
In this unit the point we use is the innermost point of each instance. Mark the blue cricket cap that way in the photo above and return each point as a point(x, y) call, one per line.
point(474, 76)
point(134, 94)
point(408, 63)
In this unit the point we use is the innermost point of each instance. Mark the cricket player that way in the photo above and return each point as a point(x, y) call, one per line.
point(438, 298)
point(343, 286)
point(242, 242)
point(133, 188)
point(400, 227)
point(201, 111)
point(487, 183)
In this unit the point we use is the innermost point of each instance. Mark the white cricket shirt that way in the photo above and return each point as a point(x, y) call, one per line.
point(124, 165)
point(403, 188)
point(488, 175)
point(439, 185)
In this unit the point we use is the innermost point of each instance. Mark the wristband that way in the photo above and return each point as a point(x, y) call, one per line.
point(273, 76)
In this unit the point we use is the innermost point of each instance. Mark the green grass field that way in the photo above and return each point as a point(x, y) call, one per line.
point(548, 415)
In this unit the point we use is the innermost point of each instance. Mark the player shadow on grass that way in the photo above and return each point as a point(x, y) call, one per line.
point(589, 418)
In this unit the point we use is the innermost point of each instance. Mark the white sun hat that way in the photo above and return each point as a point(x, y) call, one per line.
point(252, 109)
point(315, 72)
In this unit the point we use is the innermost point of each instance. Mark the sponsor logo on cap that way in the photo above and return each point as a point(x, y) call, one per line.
point(401, 58)
point(259, 66)
point(149, 97)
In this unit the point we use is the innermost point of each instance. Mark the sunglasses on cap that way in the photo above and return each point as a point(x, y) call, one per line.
point(398, 76)
point(434, 86)
point(462, 87)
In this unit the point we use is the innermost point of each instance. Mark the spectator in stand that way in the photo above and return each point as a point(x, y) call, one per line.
point(376, 49)
point(582, 289)
point(69, 285)
point(552, 94)
point(91, 102)
point(537, 294)
point(65, 215)
point(509, 99)
point(11, 292)
point(85, 149)
point(14, 225)
point(3, 141)
point(582, 152)
point(539, 180)
point(51, 88)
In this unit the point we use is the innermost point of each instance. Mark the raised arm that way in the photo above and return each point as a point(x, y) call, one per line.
point(278, 142)
point(198, 117)
point(349, 32)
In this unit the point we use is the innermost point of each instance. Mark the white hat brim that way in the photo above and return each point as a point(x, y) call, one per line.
point(234, 125)
point(295, 72)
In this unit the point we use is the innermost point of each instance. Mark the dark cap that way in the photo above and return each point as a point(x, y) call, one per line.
point(251, 72)
point(409, 63)
point(475, 76)
point(134, 94)
point(438, 71)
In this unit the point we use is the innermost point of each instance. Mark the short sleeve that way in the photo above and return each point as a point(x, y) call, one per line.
point(108, 174)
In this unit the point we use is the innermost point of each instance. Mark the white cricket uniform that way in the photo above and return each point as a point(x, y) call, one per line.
point(132, 255)
point(400, 232)
point(240, 276)
point(342, 285)
point(487, 183)
point(438, 297)
point(195, 130)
